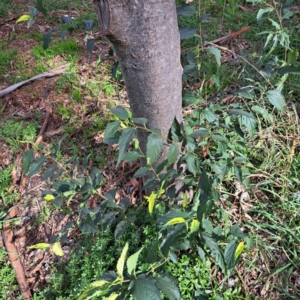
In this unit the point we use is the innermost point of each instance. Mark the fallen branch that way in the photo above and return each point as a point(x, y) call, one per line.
point(227, 38)
point(51, 73)
point(14, 257)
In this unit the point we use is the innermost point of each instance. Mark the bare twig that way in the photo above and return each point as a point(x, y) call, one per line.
point(51, 73)
point(14, 257)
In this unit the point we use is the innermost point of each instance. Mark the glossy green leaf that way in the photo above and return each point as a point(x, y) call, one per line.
point(169, 286)
point(90, 45)
point(187, 32)
point(111, 129)
point(186, 10)
point(49, 172)
point(35, 167)
point(47, 39)
point(120, 229)
point(88, 24)
point(145, 288)
point(154, 147)
point(229, 254)
point(40, 7)
point(141, 121)
point(126, 137)
point(27, 160)
point(88, 225)
point(120, 112)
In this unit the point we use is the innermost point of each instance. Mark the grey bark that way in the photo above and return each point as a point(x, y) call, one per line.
point(146, 39)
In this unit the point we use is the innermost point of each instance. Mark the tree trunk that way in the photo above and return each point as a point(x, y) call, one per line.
point(146, 39)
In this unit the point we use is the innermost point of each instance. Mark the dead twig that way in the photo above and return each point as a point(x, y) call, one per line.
point(227, 38)
point(14, 257)
point(40, 136)
point(51, 73)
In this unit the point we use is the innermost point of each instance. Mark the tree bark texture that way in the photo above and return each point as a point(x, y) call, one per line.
point(146, 39)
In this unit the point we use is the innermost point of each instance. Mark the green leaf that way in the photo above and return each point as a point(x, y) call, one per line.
point(216, 52)
point(132, 261)
point(276, 99)
point(154, 147)
point(120, 112)
point(34, 167)
point(120, 229)
point(175, 132)
point(187, 32)
point(97, 288)
point(170, 215)
point(40, 7)
point(152, 252)
point(218, 137)
point(239, 159)
point(49, 172)
point(27, 160)
point(47, 39)
point(174, 221)
point(190, 98)
point(141, 121)
point(263, 13)
point(236, 231)
point(186, 10)
point(169, 286)
point(239, 250)
point(88, 225)
point(57, 202)
point(108, 218)
point(23, 18)
point(172, 238)
point(173, 154)
point(229, 254)
point(144, 288)
point(87, 187)
point(240, 112)
point(90, 45)
point(200, 132)
point(205, 182)
point(127, 135)
point(121, 261)
point(209, 115)
point(141, 172)
point(191, 162)
point(63, 186)
point(88, 24)
point(111, 129)
point(39, 246)
point(132, 156)
point(245, 92)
